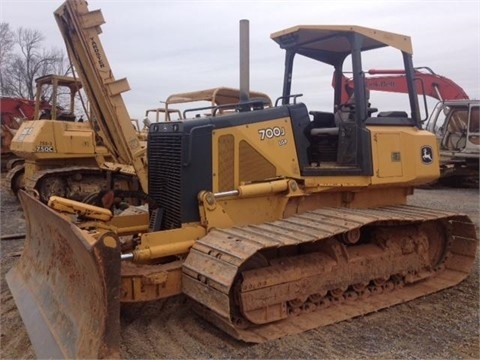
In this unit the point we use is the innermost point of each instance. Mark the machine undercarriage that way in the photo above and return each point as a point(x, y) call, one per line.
point(262, 282)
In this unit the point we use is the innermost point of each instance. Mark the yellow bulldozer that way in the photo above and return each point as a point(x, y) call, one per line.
point(61, 151)
point(273, 220)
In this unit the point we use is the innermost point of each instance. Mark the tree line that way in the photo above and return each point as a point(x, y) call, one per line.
point(23, 58)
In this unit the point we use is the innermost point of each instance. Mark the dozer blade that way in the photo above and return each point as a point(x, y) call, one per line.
point(66, 287)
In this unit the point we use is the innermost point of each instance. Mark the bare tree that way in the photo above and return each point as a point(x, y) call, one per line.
point(7, 42)
point(30, 60)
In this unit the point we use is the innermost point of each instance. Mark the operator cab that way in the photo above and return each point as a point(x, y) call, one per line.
point(337, 141)
point(62, 90)
point(457, 126)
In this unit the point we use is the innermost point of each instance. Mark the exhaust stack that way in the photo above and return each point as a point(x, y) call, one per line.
point(244, 61)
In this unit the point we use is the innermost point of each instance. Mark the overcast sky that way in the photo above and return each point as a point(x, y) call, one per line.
point(165, 47)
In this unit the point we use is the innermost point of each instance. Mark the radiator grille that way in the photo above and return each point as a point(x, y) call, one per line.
point(165, 176)
point(226, 166)
point(253, 165)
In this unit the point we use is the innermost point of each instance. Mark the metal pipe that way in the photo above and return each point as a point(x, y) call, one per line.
point(244, 61)
point(127, 256)
point(225, 194)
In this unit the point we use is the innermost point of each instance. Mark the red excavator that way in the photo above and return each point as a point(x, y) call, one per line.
point(455, 119)
point(13, 112)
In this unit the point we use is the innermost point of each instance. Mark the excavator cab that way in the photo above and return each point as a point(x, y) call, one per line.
point(455, 123)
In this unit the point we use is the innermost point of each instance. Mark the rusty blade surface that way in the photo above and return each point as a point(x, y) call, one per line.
point(66, 287)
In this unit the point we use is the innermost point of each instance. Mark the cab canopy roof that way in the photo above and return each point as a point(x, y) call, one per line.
point(330, 43)
point(60, 80)
point(217, 96)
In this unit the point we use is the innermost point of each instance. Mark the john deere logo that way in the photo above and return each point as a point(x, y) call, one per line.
point(427, 154)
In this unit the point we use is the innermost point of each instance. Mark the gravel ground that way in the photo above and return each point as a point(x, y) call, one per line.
point(441, 326)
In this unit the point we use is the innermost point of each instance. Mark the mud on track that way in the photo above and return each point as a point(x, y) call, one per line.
point(444, 325)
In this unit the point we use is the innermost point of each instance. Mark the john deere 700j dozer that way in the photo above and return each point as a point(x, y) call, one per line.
point(272, 222)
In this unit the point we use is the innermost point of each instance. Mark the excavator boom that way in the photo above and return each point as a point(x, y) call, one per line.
point(428, 83)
